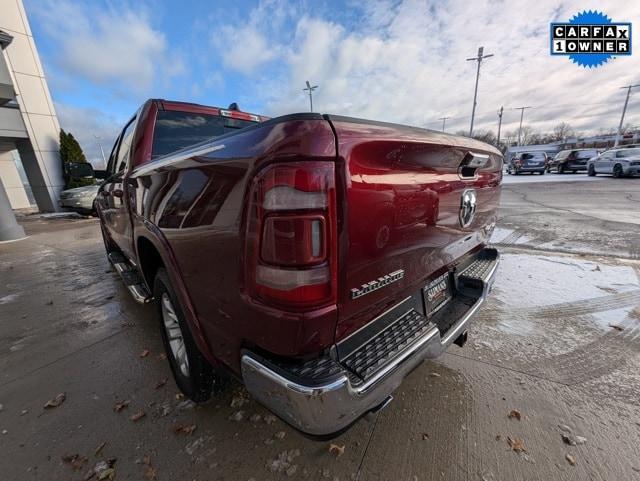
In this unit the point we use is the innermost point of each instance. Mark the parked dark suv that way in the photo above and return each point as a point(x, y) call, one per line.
point(572, 160)
point(528, 162)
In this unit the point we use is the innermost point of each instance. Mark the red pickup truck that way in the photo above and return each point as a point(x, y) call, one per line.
point(317, 258)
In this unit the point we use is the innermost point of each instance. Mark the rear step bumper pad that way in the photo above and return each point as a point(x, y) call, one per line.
point(323, 408)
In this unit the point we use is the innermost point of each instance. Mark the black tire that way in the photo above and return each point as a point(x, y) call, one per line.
point(560, 168)
point(591, 171)
point(542, 172)
point(198, 382)
point(617, 171)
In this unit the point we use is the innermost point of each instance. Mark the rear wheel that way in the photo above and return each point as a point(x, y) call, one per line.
point(542, 172)
point(193, 374)
point(617, 171)
point(560, 168)
point(591, 171)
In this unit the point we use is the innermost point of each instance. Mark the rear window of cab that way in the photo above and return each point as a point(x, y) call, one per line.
point(175, 130)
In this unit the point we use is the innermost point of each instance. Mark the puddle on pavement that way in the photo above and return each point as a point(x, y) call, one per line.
point(561, 317)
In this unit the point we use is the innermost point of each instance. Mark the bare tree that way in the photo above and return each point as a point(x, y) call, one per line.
point(562, 131)
point(485, 136)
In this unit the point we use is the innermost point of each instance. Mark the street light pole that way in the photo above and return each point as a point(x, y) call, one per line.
point(521, 109)
point(310, 89)
point(104, 159)
point(444, 120)
point(624, 111)
point(499, 124)
point(478, 59)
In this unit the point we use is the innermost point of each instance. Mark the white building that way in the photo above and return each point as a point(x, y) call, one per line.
point(30, 167)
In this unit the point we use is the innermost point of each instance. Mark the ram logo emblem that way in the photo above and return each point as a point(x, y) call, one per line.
point(468, 203)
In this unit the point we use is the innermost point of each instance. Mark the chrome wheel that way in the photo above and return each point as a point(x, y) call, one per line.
point(174, 334)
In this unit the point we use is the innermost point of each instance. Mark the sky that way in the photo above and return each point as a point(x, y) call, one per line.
point(390, 60)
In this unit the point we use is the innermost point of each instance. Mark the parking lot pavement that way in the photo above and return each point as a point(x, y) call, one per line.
point(557, 347)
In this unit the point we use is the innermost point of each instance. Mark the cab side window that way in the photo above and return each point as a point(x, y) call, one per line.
point(122, 158)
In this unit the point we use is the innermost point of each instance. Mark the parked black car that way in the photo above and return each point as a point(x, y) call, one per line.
point(572, 160)
point(528, 162)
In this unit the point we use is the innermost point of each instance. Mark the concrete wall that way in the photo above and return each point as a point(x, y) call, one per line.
point(11, 180)
point(40, 152)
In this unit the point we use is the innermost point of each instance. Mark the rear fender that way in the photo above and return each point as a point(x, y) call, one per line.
point(145, 229)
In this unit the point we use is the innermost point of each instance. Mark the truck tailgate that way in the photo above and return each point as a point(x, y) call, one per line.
point(401, 212)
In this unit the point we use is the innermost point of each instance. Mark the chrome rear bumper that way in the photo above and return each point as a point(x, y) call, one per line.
point(331, 405)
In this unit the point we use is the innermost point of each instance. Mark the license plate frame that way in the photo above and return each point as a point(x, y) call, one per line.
point(437, 294)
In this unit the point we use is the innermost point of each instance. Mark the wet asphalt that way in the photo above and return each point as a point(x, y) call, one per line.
point(557, 347)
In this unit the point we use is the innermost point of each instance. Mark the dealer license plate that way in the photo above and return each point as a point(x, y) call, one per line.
point(437, 293)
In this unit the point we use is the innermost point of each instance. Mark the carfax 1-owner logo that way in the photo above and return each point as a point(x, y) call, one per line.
point(590, 38)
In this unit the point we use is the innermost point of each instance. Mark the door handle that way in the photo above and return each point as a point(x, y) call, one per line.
point(118, 193)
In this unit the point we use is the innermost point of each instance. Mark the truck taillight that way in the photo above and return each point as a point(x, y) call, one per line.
point(291, 235)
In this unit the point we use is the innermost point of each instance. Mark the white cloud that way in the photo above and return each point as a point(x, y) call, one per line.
point(405, 62)
point(90, 127)
point(107, 46)
point(243, 49)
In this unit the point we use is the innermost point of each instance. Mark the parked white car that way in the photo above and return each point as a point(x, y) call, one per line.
point(618, 162)
point(80, 199)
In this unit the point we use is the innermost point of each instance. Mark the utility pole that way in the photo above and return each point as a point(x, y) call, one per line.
point(499, 124)
point(624, 111)
point(104, 159)
point(444, 120)
point(521, 109)
point(310, 89)
point(478, 59)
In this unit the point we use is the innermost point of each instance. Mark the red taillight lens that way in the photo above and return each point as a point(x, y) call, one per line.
point(293, 240)
point(291, 232)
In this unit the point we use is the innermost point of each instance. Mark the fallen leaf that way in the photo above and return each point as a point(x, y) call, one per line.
point(99, 448)
point(616, 327)
point(162, 356)
point(137, 416)
point(121, 405)
point(580, 440)
point(515, 414)
point(108, 473)
point(184, 428)
point(161, 383)
point(75, 460)
point(571, 459)
point(568, 440)
point(280, 435)
point(150, 473)
point(144, 353)
point(179, 396)
point(516, 444)
point(425, 436)
point(55, 402)
point(434, 374)
point(146, 460)
point(336, 449)
point(498, 437)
